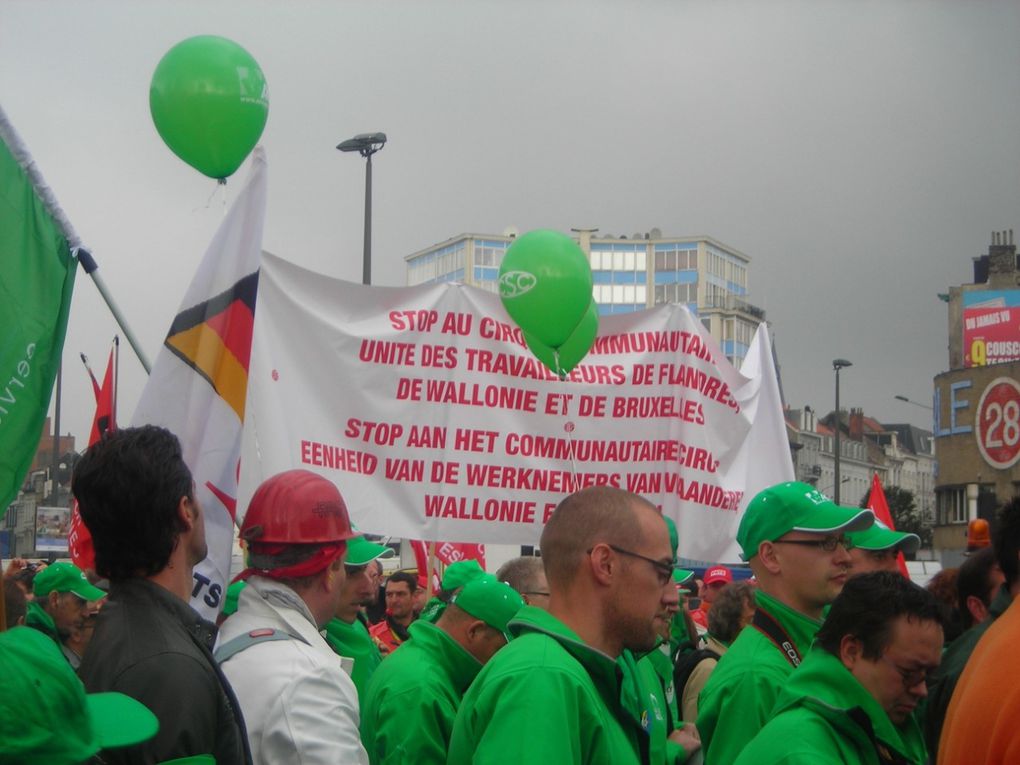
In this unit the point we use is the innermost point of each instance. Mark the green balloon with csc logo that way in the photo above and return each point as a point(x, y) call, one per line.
point(209, 103)
point(545, 285)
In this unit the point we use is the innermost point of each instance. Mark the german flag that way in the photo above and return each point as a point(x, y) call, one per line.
point(214, 339)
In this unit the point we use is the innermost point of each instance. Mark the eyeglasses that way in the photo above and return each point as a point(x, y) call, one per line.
point(663, 570)
point(829, 544)
point(535, 592)
point(910, 677)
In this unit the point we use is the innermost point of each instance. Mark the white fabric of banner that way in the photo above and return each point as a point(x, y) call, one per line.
point(426, 409)
point(189, 403)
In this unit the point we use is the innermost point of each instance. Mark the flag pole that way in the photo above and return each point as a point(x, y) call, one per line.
point(92, 269)
point(24, 158)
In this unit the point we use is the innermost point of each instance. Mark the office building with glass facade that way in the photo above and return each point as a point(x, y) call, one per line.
point(707, 276)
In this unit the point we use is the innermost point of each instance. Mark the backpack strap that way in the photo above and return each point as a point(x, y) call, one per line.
point(248, 639)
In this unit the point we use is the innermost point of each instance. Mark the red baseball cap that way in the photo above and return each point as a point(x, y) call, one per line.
point(718, 574)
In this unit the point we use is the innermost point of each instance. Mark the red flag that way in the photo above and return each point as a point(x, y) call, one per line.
point(105, 418)
point(79, 540)
point(446, 553)
point(880, 507)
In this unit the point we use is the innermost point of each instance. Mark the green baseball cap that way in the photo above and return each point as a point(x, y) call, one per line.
point(361, 552)
point(65, 577)
point(45, 714)
point(881, 537)
point(490, 600)
point(682, 575)
point(794, 506)
point(460, 573)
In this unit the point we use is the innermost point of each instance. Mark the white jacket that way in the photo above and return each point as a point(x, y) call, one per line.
point(299, 705)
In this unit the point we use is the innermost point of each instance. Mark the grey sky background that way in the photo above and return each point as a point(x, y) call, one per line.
point(860, 152)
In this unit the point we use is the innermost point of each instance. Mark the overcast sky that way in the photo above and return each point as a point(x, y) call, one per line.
point(861, 153)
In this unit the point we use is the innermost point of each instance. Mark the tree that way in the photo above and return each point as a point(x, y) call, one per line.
point(906, 515)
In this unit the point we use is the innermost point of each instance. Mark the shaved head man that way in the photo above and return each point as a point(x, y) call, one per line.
point(553, 694)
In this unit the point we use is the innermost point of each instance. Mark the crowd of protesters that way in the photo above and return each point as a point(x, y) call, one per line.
point(601, 650)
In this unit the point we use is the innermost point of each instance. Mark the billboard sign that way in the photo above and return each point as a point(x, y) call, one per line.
point(51, 527)
point(991, 327)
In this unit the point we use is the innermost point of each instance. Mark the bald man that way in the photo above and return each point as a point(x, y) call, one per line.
point(553, 694)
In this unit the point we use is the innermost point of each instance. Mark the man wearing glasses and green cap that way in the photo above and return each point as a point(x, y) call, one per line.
point(795, 541)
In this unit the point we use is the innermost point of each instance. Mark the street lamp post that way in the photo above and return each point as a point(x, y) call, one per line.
point(366, 144)
point(898, 397)
point(837, 364)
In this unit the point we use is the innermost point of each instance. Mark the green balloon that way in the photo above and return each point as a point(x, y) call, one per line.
point(209, 102)
point(545, 284)
point(574, 348)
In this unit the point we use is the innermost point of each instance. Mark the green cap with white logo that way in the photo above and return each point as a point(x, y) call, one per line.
point(794, 506)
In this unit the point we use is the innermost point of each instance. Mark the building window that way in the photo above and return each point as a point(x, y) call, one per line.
point(951, 505)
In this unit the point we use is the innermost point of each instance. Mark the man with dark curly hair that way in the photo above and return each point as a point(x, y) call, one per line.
point(137, 498)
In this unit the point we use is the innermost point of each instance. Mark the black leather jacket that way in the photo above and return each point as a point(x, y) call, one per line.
point(152, 646)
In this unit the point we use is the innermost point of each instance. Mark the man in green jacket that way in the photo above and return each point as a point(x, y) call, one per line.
point(64, 600)
point(852, 701)
point(408, 711)
point(553, 695)
point(794, 539)
point(347, 631)
point(649, 694)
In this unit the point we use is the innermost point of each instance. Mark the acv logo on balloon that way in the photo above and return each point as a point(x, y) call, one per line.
point(516, 283)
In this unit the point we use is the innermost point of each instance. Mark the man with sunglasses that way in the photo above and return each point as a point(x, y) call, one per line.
point(553, 694)
point(853, 698)
point(795, 541)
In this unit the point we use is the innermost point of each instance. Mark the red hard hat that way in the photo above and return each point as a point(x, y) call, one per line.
point(296, 507)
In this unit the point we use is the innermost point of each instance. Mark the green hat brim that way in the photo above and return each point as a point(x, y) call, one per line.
point(681, 575)
point(878, 537)
point(119, 720)
point(829, 520)
point(361, 552)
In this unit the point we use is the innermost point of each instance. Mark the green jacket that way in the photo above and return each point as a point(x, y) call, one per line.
point(408, 710)
point(650, 700)
point(545, 699)
point(37, 618)
point(823, 715)
point(353, 641)
point(739, 696)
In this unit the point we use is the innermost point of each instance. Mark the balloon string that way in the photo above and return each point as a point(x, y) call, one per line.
point(569, 427)
point(209, 201)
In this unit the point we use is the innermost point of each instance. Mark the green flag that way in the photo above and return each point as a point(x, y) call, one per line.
point(36, 279)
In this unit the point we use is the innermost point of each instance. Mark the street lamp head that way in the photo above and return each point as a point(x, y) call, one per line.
point(838, 364)
point(901, 398)
point(366, 144)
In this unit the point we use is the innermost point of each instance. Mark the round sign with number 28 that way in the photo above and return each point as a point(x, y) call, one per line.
point(998, 423)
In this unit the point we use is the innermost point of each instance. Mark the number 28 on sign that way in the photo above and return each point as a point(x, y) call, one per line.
point(998, 423)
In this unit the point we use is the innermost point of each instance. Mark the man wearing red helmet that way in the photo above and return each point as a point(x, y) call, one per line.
point(298, 703)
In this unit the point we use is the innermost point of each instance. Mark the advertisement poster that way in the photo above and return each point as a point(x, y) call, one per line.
point(991, 327)
point(51, 527)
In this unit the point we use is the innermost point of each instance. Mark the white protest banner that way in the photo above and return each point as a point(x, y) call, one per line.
point(427, 410)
